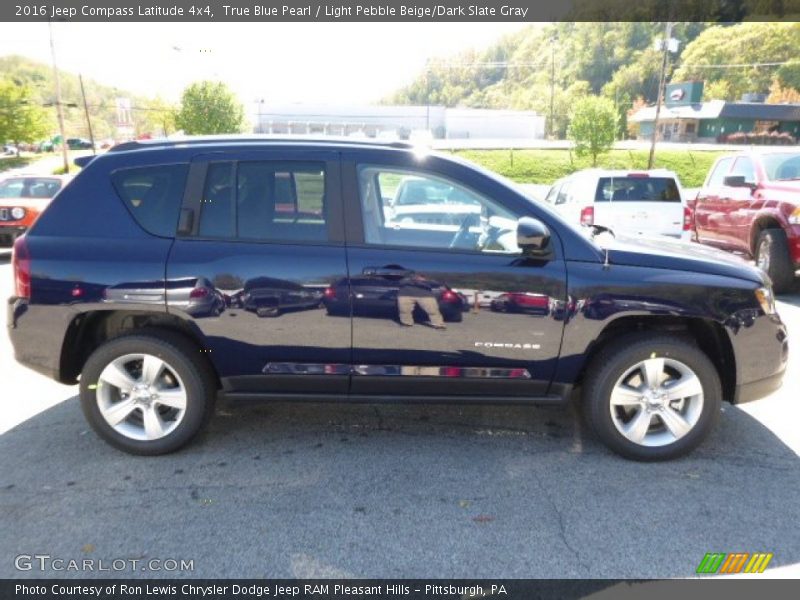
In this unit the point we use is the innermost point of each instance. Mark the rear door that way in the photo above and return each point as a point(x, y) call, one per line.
point(260, 240)
point(439, 265)
point(639, 204)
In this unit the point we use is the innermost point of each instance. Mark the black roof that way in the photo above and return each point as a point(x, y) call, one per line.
point(764, 112)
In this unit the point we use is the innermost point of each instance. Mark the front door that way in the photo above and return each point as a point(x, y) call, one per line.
point(261, 240)
point(444, 302)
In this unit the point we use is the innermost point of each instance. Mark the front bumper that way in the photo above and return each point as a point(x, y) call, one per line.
point(761, 351)
point(755, 390)
point(9, 233)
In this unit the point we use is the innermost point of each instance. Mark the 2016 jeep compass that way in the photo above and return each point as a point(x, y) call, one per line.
point(307, 279)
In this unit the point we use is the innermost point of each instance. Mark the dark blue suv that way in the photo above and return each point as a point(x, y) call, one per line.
point(169, 273)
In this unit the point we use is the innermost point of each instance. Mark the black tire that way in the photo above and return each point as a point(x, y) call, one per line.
point(613, 361)
point(268, 311)
point(772, 243)
point(183, 357)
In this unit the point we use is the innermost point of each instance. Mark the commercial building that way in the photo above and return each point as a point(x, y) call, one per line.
point(396, 121)
point(684, 117)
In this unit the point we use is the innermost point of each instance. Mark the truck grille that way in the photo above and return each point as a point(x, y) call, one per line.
point(5, 214)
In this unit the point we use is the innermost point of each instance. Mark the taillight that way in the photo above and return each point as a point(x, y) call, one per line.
point(587, 215)
point(687, 218)
point(200, 292)
point(21, 261)
point(449, 296)
point(329, 293)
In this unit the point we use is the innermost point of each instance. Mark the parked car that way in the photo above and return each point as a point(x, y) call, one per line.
point(270, 297)
point(634, 202)
point(535, 304)
point(750, 203)
point(654, 333)
point(9, 150)
point(22, 199)
point(78, 144)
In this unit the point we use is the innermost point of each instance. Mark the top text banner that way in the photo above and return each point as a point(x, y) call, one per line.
point(398, 10)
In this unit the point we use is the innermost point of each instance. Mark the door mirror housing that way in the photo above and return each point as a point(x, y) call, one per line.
point(737, 181)
point(533, 236)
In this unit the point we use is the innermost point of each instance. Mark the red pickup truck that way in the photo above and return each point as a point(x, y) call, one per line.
point(750, 203)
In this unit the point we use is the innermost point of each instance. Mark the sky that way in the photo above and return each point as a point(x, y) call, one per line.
point(279, 63)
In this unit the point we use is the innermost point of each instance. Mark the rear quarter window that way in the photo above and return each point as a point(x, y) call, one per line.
point(153, 195)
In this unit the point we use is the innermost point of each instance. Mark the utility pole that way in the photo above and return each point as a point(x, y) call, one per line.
point(86, 111)
point(59, 107)
point(552, 85)
point(665, 43)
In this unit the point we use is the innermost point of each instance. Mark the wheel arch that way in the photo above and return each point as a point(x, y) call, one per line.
point(88, 330)
point(762, 222)
point(709, 336)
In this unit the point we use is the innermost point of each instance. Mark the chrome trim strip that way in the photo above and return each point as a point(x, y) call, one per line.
point(395, 371)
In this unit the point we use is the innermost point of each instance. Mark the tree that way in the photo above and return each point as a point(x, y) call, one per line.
point(592, 127)
point(782, 95)
point(209, 107)
point(22, 119)
point(746, 44)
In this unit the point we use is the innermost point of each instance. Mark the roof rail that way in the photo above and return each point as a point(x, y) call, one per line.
point(255, 139)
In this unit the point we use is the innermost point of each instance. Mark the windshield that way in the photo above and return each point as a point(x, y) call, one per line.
point(782, 166)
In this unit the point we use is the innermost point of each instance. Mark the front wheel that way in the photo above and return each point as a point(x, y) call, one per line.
point(147, 393)
point(652, 397)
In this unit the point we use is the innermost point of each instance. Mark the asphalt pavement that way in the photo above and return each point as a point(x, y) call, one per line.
point(335, 490)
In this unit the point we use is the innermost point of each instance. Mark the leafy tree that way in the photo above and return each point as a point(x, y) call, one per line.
point(782, 95)
point(209, 107)
point(788, 75)
point(592, 127)
point(22, 119)
point(741, 44)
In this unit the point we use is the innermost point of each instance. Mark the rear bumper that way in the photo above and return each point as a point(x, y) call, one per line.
point(31, 331)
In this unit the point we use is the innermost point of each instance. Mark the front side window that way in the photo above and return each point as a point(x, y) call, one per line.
point(744, 167)
point(419, 209)
point(264, 201)
point(719, 172)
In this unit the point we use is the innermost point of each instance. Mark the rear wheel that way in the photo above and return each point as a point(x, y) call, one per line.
point(772, 255)
point(147, 393)
point(652, 397)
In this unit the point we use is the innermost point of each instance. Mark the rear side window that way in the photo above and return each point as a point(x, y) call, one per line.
point(153, 195)
point(637, 189)
point(264, 201)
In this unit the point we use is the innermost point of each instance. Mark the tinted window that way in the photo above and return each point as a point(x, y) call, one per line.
point(153, 195)
point(637, 189)
point(418, 209)
point(722, 168)
point(217, 203)
point(270, 201)
point(744, 167)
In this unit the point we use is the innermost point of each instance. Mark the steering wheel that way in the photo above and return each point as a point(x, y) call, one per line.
point(463, 233)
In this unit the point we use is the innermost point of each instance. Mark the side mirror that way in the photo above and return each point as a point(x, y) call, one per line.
point(736, 181)
point(533, 236)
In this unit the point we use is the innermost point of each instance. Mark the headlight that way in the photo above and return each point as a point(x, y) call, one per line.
point(794, 218)
point(18, 212)
point(766, 300)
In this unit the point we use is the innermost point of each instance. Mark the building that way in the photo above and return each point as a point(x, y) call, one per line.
point(400, 122)
point(684, 117)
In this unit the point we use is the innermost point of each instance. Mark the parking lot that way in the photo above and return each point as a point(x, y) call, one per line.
point(327, 490)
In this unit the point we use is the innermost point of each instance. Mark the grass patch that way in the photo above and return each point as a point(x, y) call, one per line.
point(15, 162)
point(547, 165)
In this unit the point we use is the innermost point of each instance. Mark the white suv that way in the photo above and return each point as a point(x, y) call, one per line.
point(633, 202)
